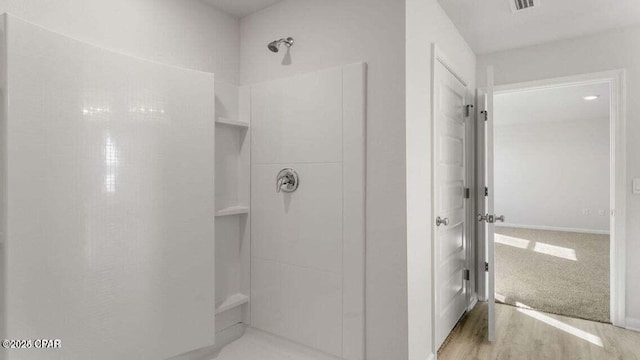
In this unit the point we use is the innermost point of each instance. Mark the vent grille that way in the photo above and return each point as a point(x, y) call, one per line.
point(519, 5)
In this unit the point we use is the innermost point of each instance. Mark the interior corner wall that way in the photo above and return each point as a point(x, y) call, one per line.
point(606, 51)
point(185, 33)
point(330, 33)
point(426, 23)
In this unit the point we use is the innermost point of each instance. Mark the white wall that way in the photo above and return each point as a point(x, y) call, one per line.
point(547, 173)
point(612, 50)
point(337, 32)
point(187, 33)
point(426, 23)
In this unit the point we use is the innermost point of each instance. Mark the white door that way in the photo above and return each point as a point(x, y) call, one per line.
point(449, 200)
point(489, 218)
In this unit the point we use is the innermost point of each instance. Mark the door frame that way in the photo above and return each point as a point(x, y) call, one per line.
point(438, 56)
point(617, 176)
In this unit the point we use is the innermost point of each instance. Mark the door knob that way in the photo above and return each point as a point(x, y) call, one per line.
point(490, 218)
point(441, 221)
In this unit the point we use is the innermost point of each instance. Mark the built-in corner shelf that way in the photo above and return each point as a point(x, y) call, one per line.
point(232, 122)
point(233, 210)
point(232, 301)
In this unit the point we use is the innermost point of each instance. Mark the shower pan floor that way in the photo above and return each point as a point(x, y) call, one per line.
point(256, 344)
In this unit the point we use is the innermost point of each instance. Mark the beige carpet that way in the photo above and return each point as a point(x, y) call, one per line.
point(553, 271)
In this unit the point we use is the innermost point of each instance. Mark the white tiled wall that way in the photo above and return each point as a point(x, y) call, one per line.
point(298, 119)
point(109, 239)
point(298, 247)
point(299, 303)
point(303, 228)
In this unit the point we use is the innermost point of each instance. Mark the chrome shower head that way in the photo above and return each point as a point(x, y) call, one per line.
point(274, 46)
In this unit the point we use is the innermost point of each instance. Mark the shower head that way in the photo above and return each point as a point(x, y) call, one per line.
point(274, 46)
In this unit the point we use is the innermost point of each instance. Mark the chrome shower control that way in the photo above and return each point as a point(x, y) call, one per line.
point(287, 180)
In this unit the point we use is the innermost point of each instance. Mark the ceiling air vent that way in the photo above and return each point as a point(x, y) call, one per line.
point(520, 5)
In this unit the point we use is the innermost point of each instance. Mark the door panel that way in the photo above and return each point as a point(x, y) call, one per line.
point(490, 227)
point(451, 196)
point(451, 151)
point(481, 228)
point(452, 241)
point(449, 182)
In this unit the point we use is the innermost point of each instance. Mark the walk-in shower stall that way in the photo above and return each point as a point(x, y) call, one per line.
point(153, 212)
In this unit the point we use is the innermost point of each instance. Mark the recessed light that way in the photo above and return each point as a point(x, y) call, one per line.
point(591, 97)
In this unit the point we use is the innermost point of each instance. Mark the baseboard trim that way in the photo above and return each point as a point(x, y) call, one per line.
point(632, 324)
point(555, 228)
point(473, 302)
point(431, 357)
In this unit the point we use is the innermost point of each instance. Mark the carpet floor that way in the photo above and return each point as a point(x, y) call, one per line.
point(557, 272)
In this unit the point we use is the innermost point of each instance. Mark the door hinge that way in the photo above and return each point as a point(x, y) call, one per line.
point(486, 191)
point(468, 110)
point(486, 266)
point(467, 193)
point(486, 114)
point(465, 274)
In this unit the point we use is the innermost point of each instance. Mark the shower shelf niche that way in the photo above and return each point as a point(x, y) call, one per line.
point(232, 218)
point(232, 122)
point(231, 302)
point(233, 210)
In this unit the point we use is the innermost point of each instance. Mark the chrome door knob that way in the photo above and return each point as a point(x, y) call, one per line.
point(490, 218)
point(441, 221)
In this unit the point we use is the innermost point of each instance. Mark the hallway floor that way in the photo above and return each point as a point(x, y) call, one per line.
point(527, 334)
point(557, 272)
point(259, 345)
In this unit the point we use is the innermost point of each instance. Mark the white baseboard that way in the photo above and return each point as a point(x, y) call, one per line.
point(554, 228)
point(632, 324)
point(431, 357)
point(473, 302)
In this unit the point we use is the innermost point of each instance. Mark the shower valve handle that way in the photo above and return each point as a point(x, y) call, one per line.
point(283, 181)
point(287, 180)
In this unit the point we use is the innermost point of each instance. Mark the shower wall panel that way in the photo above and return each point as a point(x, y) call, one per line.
point(308, 246)
point(109, 223)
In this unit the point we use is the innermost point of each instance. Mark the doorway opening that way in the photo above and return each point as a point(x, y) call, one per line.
point(553, 155)
point(551, 178)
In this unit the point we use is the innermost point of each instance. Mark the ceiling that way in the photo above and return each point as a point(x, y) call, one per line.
point(552, 105)
point(240, 8)
point(490, 25)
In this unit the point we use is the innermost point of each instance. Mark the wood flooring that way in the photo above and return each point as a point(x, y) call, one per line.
point(527, 334)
